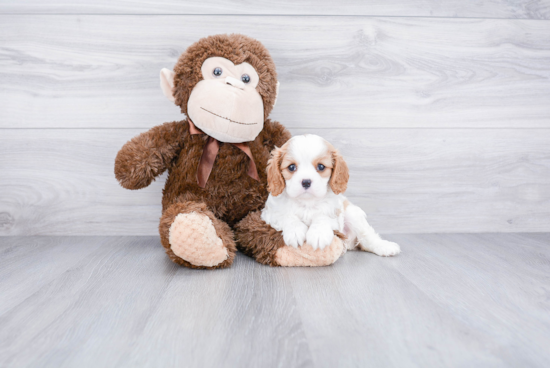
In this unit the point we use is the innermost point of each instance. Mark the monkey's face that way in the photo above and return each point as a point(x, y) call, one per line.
point(225, 104)
point(216, 83)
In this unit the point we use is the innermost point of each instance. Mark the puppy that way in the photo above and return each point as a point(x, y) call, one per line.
point(306, 178)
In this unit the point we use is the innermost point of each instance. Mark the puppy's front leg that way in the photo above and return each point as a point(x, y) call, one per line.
point(356, 220)
point(320, 233)
point(294, 231)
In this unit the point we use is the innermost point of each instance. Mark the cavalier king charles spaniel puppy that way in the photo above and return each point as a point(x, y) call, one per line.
point(306, 179)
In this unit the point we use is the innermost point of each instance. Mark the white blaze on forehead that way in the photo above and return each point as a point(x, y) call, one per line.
point(305, 151)
point(306, 148)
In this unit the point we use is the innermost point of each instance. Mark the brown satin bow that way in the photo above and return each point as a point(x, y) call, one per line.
point(209, 156)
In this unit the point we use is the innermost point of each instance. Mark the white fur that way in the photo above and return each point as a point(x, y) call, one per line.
point(312, 214)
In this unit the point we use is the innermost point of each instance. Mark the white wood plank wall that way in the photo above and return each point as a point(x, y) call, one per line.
point(442, 108)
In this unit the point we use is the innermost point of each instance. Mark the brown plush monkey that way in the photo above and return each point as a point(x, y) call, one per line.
point(216, 158)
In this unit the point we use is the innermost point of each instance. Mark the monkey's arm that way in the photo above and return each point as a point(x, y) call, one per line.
point(274, 134)
point(149, 154)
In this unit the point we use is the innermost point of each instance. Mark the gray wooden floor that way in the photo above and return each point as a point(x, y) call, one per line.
point(447, 300)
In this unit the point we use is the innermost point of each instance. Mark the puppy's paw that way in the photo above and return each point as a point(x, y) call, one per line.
point(295, 234)
point(385, 248)
point(319, 236)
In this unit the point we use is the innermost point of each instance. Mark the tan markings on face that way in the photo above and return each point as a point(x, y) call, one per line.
point(325, 160)
point(285, 163)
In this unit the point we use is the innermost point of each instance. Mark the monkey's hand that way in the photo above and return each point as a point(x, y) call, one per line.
point(148, 155)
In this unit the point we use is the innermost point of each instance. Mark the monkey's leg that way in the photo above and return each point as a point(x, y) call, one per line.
point(260, 241)
point(195, 238)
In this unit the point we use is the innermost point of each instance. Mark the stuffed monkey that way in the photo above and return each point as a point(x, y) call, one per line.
point(216, 158)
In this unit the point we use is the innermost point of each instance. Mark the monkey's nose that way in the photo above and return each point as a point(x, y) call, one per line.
point(306, 183)
point(234, 82)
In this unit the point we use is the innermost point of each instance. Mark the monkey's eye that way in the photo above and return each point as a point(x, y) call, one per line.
point(292, 167)
point(320, 167)
point(217, 72)
point(245, 78)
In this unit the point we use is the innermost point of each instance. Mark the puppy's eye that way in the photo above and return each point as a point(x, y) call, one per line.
point(217, 72)
point(320, 167)
point(245, 78)
point(292, 167)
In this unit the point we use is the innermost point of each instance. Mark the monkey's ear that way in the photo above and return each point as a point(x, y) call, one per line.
point(276, 93)
point(167, 83)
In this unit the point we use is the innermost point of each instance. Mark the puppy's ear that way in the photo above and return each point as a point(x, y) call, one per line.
point(275, 181)
point(340, 174)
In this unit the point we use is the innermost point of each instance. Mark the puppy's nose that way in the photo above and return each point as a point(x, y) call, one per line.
point(306, 183)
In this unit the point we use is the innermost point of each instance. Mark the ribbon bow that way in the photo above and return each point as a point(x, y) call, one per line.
point(209, 156)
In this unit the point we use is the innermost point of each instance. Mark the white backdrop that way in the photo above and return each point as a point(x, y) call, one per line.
point(442, 109)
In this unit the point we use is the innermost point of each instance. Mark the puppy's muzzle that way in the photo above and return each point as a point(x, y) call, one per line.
point(306, 183)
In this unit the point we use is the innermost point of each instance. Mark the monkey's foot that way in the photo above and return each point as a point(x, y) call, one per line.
point(306, 256)
point(193, 238)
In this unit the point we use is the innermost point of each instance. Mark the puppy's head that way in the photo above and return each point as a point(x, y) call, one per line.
point(306, 166)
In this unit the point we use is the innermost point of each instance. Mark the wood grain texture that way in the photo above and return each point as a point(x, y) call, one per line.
point(61, 182)
point(126, 305)
point(449, 8)
point(448, 300)
point(50, 259)
point(466, 300)
point(81, 71)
